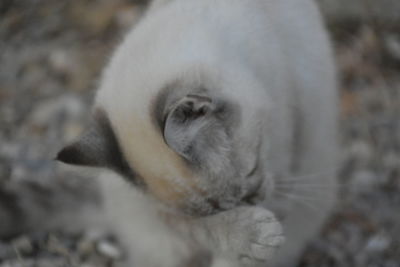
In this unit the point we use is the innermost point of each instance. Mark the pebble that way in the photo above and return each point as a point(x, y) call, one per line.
point(20, 263)
point(127, 16)
point(87, 265)
point(47, 110)
point(392, 43)
point(72, 130)
point(391, 160)
point(5, 171)
point(86, 247)
point(22, 245)
point(361, 151)
point(95, 234)
point(363, 181)
point(6, 251)
point(62, 60)
point(56, 246)
point(109, 249)
point(378, 243)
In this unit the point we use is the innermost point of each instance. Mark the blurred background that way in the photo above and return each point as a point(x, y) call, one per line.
point(51, 56)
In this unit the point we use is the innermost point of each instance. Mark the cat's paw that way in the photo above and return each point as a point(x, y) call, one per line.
point(262, 234)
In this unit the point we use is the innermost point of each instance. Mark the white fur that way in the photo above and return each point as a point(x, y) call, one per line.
point(270, 56)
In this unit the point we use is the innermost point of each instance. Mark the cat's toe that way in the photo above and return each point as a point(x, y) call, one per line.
point(265, 249)
point(266, 236)
point(268, 233)
point(263, 215)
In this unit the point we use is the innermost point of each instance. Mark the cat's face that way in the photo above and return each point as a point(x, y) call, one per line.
point(192, 147)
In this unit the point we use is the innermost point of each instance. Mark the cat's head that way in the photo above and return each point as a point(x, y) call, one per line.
point(191, 142)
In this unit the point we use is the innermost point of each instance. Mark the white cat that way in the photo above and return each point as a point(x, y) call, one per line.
point(210, 109)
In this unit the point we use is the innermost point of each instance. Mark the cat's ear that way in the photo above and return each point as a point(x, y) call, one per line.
point(96, 147)
point(197, 127)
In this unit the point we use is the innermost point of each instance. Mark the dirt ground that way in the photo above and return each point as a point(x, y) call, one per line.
point(51, 55)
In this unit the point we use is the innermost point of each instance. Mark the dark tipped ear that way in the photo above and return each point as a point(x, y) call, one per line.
point(89, 150)
point(97, 147)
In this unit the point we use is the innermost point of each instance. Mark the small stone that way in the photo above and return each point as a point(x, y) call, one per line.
point(72, 129)
point(361, 151)
point(391, 160)
point(391, 263)
point(99, 18)
point(108, 249)
point(20, 263)
point(6, 251)
point(73, 106)
point(95, 234)
point(5, 172)
point(47, 110)
point(85, 247)
point(363, 181)
point(55, 246)
point(392, 43)
point(61, 60)
point(127, 16)
point(378, 243)
point(52, 262)
point(23, 245)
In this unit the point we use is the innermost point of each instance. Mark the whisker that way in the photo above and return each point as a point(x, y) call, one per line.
point(321, 184)
point(308, 176)
point(314, 190)
point(301, 177)
point(301, 200)
point(299, 195)
point(308, 185)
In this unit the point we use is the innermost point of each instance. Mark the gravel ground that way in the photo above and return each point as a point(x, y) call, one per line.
point(51, 54)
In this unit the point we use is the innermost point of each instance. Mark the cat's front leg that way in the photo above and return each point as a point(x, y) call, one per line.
point(250, 234)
